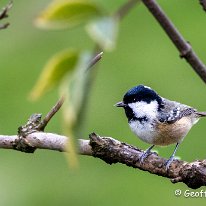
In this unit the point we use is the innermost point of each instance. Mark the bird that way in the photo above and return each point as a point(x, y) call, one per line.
point(157, 120)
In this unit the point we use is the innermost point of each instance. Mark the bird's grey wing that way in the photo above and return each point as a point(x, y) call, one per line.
point(174, 111)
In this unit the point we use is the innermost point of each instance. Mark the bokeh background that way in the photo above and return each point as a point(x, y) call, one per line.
point(144, 55)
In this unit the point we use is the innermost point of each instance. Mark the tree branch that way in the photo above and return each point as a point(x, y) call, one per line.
point(43, 140)
point(113, 151)
point(181, 44)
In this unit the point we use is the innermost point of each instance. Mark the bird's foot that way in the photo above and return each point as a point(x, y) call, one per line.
point(145, 154)
point(168, 162)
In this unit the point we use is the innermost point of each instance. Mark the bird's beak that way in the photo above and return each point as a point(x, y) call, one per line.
point(120, 104)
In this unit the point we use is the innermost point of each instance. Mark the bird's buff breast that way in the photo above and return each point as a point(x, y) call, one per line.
point(162, 133)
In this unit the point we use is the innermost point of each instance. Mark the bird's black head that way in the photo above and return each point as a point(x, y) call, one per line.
point(141, 93)
point(138, 94)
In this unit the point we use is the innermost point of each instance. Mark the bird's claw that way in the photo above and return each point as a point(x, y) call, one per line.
point(168, 162)
point(144, 156)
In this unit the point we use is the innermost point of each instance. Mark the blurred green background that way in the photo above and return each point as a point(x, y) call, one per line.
point(145, 55)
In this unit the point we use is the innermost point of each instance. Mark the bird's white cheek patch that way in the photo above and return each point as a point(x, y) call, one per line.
point(144, 129)
point(142, 109)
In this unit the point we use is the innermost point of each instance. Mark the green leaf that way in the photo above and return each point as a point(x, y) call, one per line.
point(76, 89)
point(104, 32)
point(54, 71)
point(62, 14)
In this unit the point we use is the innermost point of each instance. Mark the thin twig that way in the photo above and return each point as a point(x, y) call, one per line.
point(92, 64)
point(94, 60)
point(51, 113)
point(125, 8)
point(181, 44)
point(4, 14)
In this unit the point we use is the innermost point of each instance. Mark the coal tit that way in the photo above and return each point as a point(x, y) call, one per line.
point(156, 120)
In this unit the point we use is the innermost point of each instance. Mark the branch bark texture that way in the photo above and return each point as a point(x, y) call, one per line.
point(113, 151)
point(181, 44)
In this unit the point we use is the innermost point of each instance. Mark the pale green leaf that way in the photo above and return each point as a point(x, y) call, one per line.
point(104, 32)
point(54, 71)
point(62, 14)
point(76, 89)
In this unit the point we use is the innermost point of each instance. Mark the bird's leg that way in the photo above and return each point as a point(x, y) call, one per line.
point(145, 154)
point(169, 161)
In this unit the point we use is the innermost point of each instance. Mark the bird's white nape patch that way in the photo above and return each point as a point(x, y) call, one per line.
point(143, 108)
point(147, 87)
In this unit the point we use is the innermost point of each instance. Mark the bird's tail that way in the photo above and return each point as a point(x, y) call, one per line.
point(201, 114)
